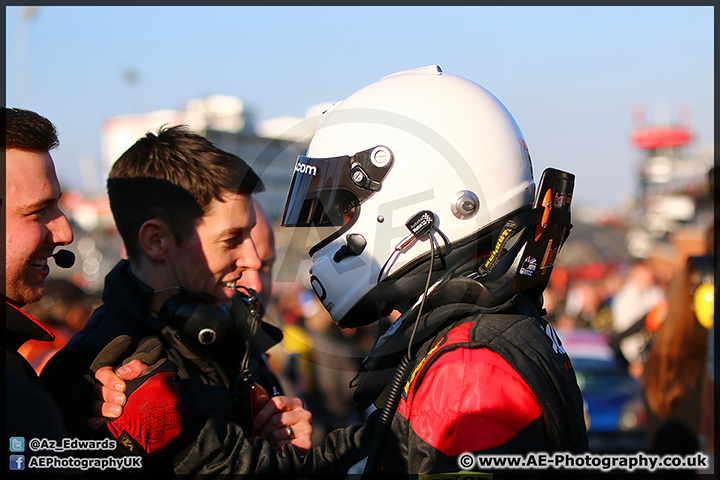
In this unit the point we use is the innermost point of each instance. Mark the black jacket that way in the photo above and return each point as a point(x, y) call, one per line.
point(212, 440)
point(29, 411)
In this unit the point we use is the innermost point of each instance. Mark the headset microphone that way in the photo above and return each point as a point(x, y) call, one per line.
point(64, 258)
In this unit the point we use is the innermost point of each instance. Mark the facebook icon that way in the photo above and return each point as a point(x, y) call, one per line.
point(17, 462)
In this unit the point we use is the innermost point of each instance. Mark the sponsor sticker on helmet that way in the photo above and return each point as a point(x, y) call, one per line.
point(528, 266)
point(561, 200)
point(305, 168)
point(550, 256)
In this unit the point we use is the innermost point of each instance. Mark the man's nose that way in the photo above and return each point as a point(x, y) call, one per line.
point(62, 234)
point(251, 279)
point(249, 259)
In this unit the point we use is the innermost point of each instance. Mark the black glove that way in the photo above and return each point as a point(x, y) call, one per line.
point(152, 414)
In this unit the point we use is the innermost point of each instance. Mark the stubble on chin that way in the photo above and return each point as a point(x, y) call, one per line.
point(21, 293)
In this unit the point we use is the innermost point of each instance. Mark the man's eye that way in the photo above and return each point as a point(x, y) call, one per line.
point(234, 241)
point(39, 211)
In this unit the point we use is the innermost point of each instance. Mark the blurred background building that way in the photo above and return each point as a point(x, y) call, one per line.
point(674, 207)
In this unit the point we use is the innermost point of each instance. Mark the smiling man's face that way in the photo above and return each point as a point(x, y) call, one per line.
point(220, 249)
point(34, 223)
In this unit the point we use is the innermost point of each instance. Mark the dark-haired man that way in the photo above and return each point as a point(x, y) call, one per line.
point(34, 227)
point(184, 209)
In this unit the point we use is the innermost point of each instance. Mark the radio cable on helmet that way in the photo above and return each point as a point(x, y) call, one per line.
point(388, 410)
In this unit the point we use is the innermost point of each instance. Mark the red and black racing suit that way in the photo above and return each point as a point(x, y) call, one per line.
point(490, 381)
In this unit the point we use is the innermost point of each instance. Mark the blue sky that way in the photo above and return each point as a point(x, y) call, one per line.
point(571, 76)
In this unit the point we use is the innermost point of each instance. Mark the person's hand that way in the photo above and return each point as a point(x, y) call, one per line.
point(283, 420)
point(139, 401)
point(109, 387)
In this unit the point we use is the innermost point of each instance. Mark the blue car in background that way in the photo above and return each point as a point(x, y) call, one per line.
point(614, 409)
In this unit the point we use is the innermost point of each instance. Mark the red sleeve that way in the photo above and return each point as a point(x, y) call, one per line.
point(470, 400)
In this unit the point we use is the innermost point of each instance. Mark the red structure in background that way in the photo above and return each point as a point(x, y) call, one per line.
point(653, 138)
point(657, 137)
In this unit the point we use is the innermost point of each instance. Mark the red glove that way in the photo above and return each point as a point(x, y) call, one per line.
point(152, 414)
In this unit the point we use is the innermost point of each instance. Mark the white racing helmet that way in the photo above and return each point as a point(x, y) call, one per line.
point(416, 148)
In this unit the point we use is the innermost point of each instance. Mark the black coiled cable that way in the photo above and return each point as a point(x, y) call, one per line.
point(393, 399)
point(386, 416)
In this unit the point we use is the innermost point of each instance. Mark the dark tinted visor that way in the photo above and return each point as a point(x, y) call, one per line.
point(325, 192)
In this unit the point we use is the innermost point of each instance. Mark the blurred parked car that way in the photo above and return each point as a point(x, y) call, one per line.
point(615, 412)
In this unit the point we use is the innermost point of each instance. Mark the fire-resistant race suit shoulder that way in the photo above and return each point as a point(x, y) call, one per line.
point(213, 440)
point(485, 381)
point(29, 411)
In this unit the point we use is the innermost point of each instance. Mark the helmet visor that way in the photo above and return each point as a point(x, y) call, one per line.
point(326, 192)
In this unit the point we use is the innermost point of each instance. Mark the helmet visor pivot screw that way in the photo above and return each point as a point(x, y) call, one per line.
point(464, 205)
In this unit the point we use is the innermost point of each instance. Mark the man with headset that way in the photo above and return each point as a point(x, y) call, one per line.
point(34, 227)
point(185, 211)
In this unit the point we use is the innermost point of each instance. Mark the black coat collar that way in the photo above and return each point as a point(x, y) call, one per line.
point(21, 327)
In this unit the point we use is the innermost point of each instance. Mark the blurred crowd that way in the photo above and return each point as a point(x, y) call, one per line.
point(660, 328)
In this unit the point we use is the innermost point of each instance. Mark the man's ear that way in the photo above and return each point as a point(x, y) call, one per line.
point(155, 239)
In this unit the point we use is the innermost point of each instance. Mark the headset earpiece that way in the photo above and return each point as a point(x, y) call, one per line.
point(207, 324)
